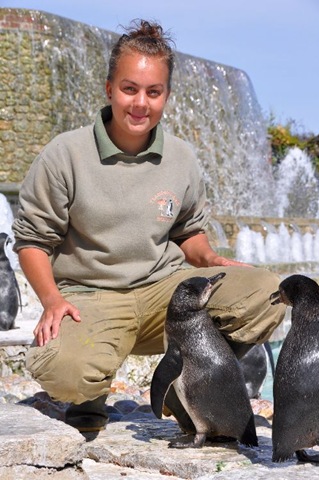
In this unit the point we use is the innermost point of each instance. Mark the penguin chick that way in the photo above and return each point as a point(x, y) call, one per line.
point(203, 368)
point(296, 382)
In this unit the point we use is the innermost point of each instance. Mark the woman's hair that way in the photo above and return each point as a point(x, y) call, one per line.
point(146, 38)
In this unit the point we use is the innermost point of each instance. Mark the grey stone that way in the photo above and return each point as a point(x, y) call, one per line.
point(27, 437)
point(34, 446)
point(26, 472)
point(102, 471)
point(145, 444)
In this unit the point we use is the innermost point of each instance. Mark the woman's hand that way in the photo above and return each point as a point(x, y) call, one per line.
point(199, 253)
point(49, 324)
point(38, 271)
point(225, 262)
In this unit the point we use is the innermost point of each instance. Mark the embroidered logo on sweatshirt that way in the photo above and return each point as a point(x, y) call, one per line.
point(166, 202)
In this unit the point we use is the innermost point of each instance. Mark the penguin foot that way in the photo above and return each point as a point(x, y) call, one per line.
point(198, 442)
point(183, 445)
point(305, 457)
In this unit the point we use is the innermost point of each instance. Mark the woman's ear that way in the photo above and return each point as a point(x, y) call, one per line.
point(108, 88)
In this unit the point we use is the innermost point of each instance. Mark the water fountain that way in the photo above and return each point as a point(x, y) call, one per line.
point(296, 186)
point(297, 195)
point(278, 245)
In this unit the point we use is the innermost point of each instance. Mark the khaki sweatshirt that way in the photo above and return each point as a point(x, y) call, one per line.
point(110, 220)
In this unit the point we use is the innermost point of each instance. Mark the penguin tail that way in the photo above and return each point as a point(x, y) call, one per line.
point(279, 456)
point(249, 437)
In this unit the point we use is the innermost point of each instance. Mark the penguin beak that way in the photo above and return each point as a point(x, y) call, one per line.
point(214, 279)
point(275, 298)
point(209, 289)
point(280, 297)
point(8, 240)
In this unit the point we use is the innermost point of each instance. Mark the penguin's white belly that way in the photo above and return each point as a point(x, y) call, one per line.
point(200, 423)
point(179, 389)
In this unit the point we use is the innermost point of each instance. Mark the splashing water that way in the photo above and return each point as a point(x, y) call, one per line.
point(297, 187)
point(278, 246)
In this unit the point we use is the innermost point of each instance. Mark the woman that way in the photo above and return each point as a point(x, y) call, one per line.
point(109, 214)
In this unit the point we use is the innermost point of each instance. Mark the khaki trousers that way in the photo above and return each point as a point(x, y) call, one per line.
point(81, 362)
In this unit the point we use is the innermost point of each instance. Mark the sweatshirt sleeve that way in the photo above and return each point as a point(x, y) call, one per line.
point(42, 219)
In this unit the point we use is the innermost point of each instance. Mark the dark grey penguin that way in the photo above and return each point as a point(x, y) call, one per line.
point(10, 297)
point(254, 365)
point(203, 369)
point(296, 383)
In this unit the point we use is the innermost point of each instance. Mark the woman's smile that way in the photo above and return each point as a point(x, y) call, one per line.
point(138, 117)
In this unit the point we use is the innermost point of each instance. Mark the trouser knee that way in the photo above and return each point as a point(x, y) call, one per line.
point(69, 379)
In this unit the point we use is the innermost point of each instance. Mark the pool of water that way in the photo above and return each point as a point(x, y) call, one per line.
point(267, 390)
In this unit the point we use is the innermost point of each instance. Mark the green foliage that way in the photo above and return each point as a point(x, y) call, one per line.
point(283, 137)
point(220, 466)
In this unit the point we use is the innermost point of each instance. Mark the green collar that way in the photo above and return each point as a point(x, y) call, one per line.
point(106, 147)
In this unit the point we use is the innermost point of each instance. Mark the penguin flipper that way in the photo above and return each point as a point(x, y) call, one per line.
point(168, 369)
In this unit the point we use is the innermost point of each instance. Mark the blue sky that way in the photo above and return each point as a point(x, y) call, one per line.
point(275, 42)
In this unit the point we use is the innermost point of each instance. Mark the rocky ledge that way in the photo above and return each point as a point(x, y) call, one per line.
point(35, 443)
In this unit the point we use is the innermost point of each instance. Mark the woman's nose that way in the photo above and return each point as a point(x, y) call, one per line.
point(140, 98)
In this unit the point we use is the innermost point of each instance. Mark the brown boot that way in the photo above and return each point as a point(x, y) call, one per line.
point(89, 416)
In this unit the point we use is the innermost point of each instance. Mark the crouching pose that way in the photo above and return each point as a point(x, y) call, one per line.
point(110, 215)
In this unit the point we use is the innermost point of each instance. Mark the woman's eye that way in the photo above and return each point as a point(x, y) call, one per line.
point(129, 90)
point(154, 93)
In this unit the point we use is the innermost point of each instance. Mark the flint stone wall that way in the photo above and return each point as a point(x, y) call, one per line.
point(31, 64)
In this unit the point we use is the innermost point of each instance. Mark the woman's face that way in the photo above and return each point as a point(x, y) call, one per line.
point(138, 94)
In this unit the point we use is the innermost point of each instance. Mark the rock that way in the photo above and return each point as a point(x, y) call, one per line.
point(36, 447)
point(262, 407)
point(26, 472)
point(108, 471)
point(17, 386)
point(27, 437)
